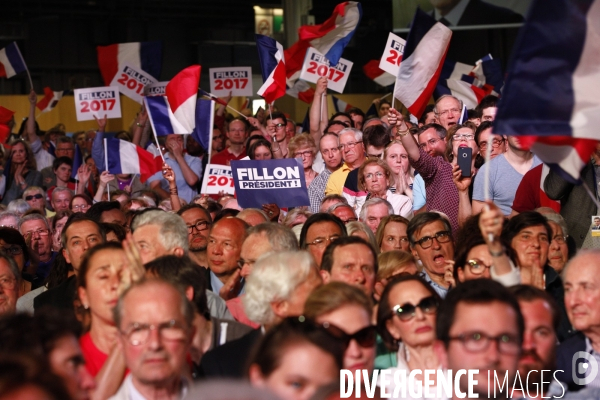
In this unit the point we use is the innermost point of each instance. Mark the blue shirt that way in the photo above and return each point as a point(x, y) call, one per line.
point(186, 192)
point(442, 291)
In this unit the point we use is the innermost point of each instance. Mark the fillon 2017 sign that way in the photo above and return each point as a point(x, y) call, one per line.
point(237, 80)
point(270, 181)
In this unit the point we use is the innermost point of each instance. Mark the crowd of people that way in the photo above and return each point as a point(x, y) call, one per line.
point(114, 288)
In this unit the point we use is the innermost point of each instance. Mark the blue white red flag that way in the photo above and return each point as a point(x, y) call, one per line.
point(376, 74)
point(50, 99)
point(127, 158)
point(340, 105)
point(294, 58)
point(11, 61)
point(146, 56)
point(332, 36)
point(272, 64)
point(422, 62)
point(551, 97)
point(77, 161)
point(205, 112)
point(302, 91)
point(162, 119)
point(182, 92)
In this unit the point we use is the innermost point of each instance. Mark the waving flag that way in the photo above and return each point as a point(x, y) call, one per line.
point(11, 61)
point(373, 72)
point(182, 92)
point(302, 91)
point(144, 55)
point(161, 117)
point(552, 97)
point(422, 62)
point(332, 36)
point(127, 158)
point(205, 111)
point(272, 63)
point(50, 99)
point(340, 105)
point(487, 72)
point(294, 58)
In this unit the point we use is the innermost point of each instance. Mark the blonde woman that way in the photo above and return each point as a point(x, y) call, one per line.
point(303, 146)
point(396, 158)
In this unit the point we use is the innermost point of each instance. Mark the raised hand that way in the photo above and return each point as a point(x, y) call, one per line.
point(101, 123)
point(232, 287)
point(321, 86)
point(84, 172)
point(462, 183)
point(106, 177)
point(168, 173)
point(32, 97)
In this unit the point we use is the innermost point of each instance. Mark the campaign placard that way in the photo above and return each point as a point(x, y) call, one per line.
point(155, 89)
point(131, 81)
point(217, 178)
point(237, 80)
point(98, 102)
point(316, 65)
point(270, 181)
point(392, 55)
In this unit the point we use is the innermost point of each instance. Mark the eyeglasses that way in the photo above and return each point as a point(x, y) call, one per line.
point(80, 207)
point(138, 334)
point(322, 242)
point(365, 337)
point(279, 126)
point(378, 175)
point(349, 145)
point(39, 232)
point(13, 250)
point(476, 342)
point(199, 226)
point(406, 312)
point(431, 142)
point(559, 239)
point(441, 237)
point(454, 111)
point(302, 154)
point(495, 144)
point(463, 138)
point(34, 196)
point(241, 262)
point(477, 267)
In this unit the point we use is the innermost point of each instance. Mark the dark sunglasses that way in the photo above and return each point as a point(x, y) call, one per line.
point(33, 196)
point(365, 337)
point(407, 311)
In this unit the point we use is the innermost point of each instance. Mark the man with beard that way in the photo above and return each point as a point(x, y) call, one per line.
point(198, 223)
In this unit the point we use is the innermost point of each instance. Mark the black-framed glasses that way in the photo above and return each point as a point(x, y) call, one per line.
point(138, 334)
point(13, 250)
point(406, 312)
point(495, 144)
point(199, 226)
point(34, 196)
point(322, 242)
point(477, 267)
point(442, 237)
point(476, 342)
point(365, 337)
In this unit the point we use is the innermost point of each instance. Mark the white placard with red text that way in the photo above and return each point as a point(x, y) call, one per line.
point(156, 89)
point(98, 101)
point(131, 81)
point(392, 55)
point(237, 80)
point(316, 65)
point(217, 178)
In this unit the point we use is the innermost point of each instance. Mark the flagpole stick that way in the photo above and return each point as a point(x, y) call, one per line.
point(383, 97)
point(231, 108)
point(486, 180)
point(106, 166)
point(158, 146)
point(217, 100)
point(270, 114)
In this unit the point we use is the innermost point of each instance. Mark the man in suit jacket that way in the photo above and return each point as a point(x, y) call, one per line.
point(582, 295)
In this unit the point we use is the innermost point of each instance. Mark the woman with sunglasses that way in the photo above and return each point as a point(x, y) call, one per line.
point(303, 147)
point(406, 322)
point(347, 310)
point(295, 358)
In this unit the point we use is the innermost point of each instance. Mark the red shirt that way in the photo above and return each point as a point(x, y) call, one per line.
point(94, 358)
point(224, 157)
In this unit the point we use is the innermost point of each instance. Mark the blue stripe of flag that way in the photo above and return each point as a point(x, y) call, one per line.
point(204, 122)
point(267, 48)
point(113, 147)
point(16, 60)
point(77, 161)
point(421, 24)
point(158, 110)
point(151, 58)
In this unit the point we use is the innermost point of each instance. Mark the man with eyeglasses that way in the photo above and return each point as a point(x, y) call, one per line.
point(198, 222)
point(9, 284)
point(276, 126)
point(332, 158)
point(448, 110)
point(64, 148)
point(468, 338)
point(36, 231)
point(485, 137)
point(154, 322)
point(430, 238)
point(36, 198)
point(318, 232)
point(353, 154)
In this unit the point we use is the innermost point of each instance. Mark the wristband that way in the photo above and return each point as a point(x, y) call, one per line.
point(140, 125)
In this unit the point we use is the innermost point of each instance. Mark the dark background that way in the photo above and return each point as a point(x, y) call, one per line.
point(58, 38)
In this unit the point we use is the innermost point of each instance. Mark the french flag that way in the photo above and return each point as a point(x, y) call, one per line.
point(373, 72)
point(205, 112)
point(146, 56)
point(50, 100)
point(470, 94)
point(161, 117)
point(451, 70)
point(182, 93)
point(551, 98)
point(332, 36)
point(272, 63)
point(294, 58)
point(11, 61)
point(302, 91)
point(340, 105)
point(127, 158)
point(422, 62)
point(487, 73)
